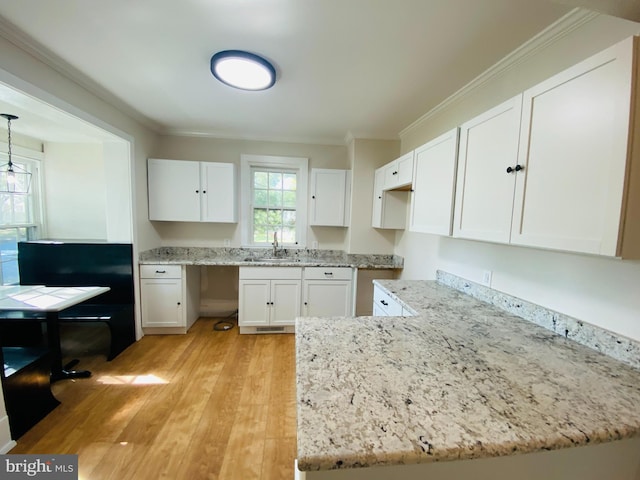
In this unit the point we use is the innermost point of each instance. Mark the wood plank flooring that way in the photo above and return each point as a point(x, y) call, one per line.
point(205, 405)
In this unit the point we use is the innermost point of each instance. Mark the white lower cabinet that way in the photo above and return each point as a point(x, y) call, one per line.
point(328, 292)
point(269, 299)
point(384, 305)
point(169, 298)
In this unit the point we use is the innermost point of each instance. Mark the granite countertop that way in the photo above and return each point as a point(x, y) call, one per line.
point(265, 257)
point(462, 379)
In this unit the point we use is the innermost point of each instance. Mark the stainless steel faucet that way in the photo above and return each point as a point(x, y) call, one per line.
point(275, 244)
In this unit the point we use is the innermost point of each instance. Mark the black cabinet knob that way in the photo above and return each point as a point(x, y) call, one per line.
point(516, 169)
point(519, 167)
point(509, 169)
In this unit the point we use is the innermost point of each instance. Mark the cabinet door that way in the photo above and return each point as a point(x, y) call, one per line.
point(161, 302)
point(378, 184)
point(389, 207)
point(405, 169)
point(574, 149)
point(328, 298)
point(328, 197)
point(434, 185)
point(218, 181)
point(484, 189)
point(254, 302)
point(174, 190)
point(399, 172)
point(285, 298)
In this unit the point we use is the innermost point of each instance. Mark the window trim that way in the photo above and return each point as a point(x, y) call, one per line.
point(301, 166)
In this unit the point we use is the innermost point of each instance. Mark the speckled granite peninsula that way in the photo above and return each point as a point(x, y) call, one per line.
point(460, 380)
point(264, 257)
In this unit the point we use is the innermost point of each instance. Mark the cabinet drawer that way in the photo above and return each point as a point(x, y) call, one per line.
point(328, 273)
point(160, 271)
point(384, 301)
point(270, 273)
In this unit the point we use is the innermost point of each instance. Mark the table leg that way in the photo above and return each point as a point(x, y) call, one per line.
point(58, 372)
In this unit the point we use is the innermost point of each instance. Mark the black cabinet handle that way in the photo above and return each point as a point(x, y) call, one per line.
point(328, 274)
point(204, 191)
point(313, 196)
point(197, 191)
point(384, 303)
point(306, 303)
point(178, 303)
point(161, 271)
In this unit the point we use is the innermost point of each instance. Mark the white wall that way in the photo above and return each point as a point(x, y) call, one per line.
point(597, 290)
point(365, 156)
point(74, 192)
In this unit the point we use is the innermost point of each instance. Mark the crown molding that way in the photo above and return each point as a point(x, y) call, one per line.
point(15, 36)
point(557, 30)
point(330, 141)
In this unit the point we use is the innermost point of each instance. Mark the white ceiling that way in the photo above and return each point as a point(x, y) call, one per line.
point(368, 68)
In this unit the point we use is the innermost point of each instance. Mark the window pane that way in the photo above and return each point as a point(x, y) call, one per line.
point(9, 239)
point(289, 218)
point(275, 217)
point(274, 205)
point(6, 208)
point(275, 198)
point(275, 180)
point(289, 199)
point(20, 211)
point(289, 181)
point(288, 235)
point(260, 216)
point(260, 234)
point(260, 179)
point(260, 198)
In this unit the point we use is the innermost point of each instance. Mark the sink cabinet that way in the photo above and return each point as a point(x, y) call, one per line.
point(269, 299)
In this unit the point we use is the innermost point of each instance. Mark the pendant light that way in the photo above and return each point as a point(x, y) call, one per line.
point(13, 179)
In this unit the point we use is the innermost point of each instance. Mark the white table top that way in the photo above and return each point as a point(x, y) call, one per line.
point(40, 298)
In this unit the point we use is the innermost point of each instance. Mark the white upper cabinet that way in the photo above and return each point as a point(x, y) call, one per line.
point(218, 199)
point(173, 190)
point(576, 135)
point(484, 188)
point(558, 167)
point(399, 173)
point(389, 207)
point(186, 191)
point(434, 176)
point(330, 197)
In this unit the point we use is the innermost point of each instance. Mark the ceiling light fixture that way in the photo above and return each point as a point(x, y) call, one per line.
point(16, 179)
point(243, 70)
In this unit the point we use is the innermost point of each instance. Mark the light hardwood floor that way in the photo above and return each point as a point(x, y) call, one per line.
point(205, 405)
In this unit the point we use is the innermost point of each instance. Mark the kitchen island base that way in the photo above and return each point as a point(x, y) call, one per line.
point(619, 460)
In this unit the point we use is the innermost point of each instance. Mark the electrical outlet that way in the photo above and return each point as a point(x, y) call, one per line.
point(227, 242)
point(486, 278)
point(314, 245)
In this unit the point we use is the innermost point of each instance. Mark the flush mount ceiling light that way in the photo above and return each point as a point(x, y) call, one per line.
point(243, 70)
